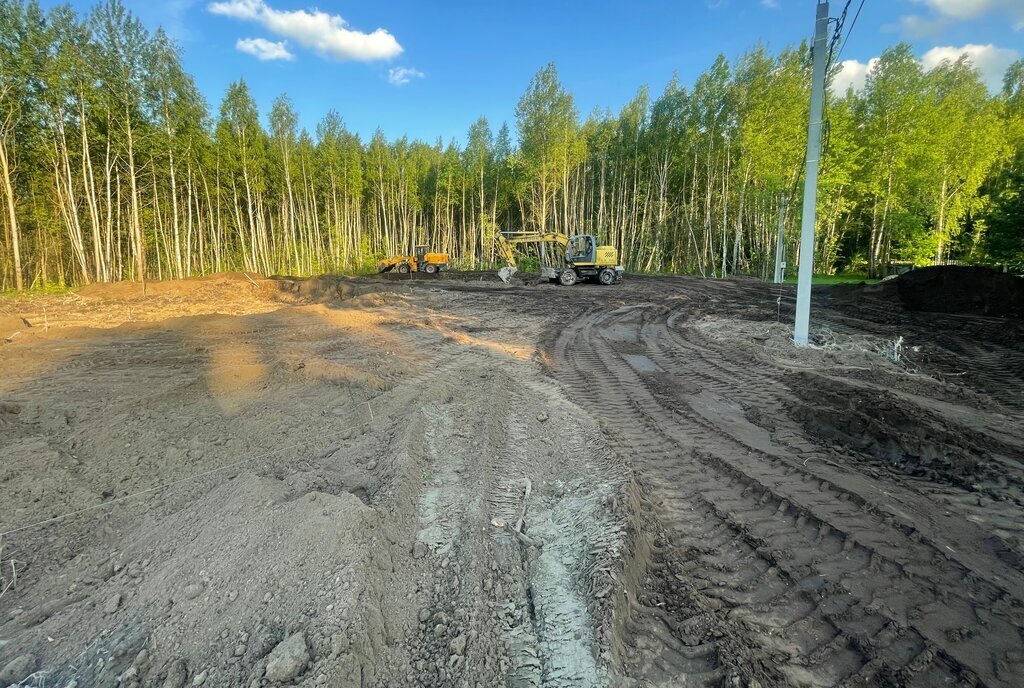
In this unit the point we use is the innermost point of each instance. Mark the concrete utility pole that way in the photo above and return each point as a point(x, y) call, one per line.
point(803, 287)
point(780, 244)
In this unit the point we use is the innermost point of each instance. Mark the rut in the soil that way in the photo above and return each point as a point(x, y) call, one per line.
point(501, 609)
point(760, 568)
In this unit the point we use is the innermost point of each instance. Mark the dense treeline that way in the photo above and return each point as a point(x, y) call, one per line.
point(112, 167)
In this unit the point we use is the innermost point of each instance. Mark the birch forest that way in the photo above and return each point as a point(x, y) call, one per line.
point(113, 166)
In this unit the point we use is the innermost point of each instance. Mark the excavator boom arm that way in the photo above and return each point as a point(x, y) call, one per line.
point(508, 240)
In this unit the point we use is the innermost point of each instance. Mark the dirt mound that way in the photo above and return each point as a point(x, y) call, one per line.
point(217, 601)
point(519, 279)
point(183, 287)
point(893, 432)
point(11, 324)
point(962, 289)
point(447, 275)
point(318, 289)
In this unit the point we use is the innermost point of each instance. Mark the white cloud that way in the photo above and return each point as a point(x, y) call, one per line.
point(771, 4)
point(987, 59)
point(239, 9)
point(917, 26)
point(853, 74)
point(327, 34)
point(397, 76)
point(264, 49)
point(963, 10)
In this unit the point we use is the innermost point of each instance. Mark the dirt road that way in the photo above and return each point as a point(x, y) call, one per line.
point(375, 482)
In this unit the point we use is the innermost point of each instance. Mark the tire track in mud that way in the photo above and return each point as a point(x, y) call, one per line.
point(788, 450)
point(989, 344)
point(793, 579)
point(498, 610)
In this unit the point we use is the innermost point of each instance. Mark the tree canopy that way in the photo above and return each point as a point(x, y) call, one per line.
point(112, 166)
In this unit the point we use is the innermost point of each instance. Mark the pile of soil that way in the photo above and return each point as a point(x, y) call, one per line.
point(192, 287)
point(519, 279)
point(454, 275)
point(892, 431)
point(318, 289)
point(962, 289)
point(11, 326)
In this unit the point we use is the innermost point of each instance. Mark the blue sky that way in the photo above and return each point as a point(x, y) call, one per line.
point(429, 68)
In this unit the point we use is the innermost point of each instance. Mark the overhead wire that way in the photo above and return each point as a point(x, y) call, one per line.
point(837, 39)
point(837, 34)
point(852, 25)
point(833, 59)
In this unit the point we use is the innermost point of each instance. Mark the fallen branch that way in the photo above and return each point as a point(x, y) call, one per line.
point(6, 583)
point(525, 539)
point(527, 487)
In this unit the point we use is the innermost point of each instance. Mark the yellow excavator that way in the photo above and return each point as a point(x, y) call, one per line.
point(563, 259)
point(422, 261)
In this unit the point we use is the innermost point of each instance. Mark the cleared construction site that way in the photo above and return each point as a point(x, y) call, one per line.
point(414, 479)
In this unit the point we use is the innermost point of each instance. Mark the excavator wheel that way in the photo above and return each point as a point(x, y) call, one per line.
point(606, 276)
point(404, 268)
point(430, 268)
point(567, 278)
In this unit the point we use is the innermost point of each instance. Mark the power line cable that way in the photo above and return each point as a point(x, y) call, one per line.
point(837, 34)
point(833, 58)
point(852, 24)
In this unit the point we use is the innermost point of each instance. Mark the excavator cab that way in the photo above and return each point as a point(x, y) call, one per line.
point(582, 249)
point(421, 252)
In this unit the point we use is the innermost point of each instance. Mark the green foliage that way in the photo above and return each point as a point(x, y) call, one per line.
point(770, 131)
point(528, 264)
point(837, 278)
point(112, 166)
point(1002, 218)
point(549, 144)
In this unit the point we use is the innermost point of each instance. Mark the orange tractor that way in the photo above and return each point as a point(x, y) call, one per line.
point(421, 261)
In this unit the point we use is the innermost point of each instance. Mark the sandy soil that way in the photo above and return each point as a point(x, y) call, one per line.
point(389, 481)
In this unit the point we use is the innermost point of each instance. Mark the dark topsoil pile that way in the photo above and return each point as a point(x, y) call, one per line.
point(954, 289)
point(962, 289)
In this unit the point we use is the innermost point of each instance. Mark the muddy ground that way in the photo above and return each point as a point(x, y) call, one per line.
point(239, 481)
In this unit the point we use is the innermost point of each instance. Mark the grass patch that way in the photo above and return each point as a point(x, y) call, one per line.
point(36, 290)
point(838, 278)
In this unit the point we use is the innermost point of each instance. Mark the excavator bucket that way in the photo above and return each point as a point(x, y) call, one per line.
point(506, 273)
point(385, 267)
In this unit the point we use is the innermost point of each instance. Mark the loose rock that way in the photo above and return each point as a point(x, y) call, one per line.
point(288, 659)
point(177, 674)
point(111, 605)
point(17, 669)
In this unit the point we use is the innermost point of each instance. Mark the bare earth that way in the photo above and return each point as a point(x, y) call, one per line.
point(239, 481)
